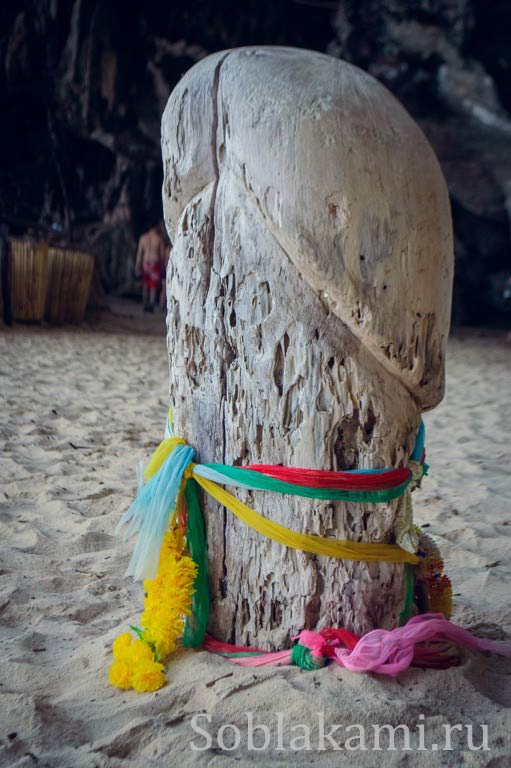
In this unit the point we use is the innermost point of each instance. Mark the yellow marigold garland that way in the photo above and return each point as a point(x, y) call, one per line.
point(168, 598)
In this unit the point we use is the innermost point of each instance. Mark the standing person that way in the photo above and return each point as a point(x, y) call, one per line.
point(149, 263)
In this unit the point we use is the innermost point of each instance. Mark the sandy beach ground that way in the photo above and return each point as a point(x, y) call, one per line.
point(79, 409)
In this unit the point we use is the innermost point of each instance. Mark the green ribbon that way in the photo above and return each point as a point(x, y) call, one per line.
point(409, 595)
point(196, 624)
point(266, 483)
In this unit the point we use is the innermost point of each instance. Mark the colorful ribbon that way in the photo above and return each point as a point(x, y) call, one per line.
point(385, 652)
point(317, 545)
point(170, 495)
point(172, 481)
point(172, 462)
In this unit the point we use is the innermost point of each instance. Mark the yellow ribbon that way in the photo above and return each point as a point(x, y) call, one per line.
point(164, 450)
point(317, 545)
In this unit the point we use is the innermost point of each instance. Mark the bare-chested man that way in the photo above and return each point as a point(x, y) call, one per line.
point(150, 264)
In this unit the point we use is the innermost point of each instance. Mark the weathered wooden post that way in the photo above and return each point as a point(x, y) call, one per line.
point(309, 301)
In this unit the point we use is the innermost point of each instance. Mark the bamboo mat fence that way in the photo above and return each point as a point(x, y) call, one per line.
point(48, 282)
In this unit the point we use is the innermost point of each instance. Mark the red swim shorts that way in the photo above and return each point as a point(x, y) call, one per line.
point(151, 274)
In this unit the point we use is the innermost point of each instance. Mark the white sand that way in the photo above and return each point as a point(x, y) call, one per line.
point(79, 409)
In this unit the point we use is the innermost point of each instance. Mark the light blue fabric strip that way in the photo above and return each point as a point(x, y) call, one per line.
point(211, 474)
point(367, 471)
point(150, 513)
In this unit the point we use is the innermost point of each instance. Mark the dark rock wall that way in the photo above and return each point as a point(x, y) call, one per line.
point(449, 62)
point(83, 84)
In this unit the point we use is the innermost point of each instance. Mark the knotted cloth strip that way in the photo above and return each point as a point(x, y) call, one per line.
point(385, 652)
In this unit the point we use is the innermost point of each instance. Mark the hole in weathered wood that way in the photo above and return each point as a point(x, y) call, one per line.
point(369, 424)
point(278, 369)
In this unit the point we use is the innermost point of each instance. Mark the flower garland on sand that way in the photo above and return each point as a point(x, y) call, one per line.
point(168, 600)
point(170, 555)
